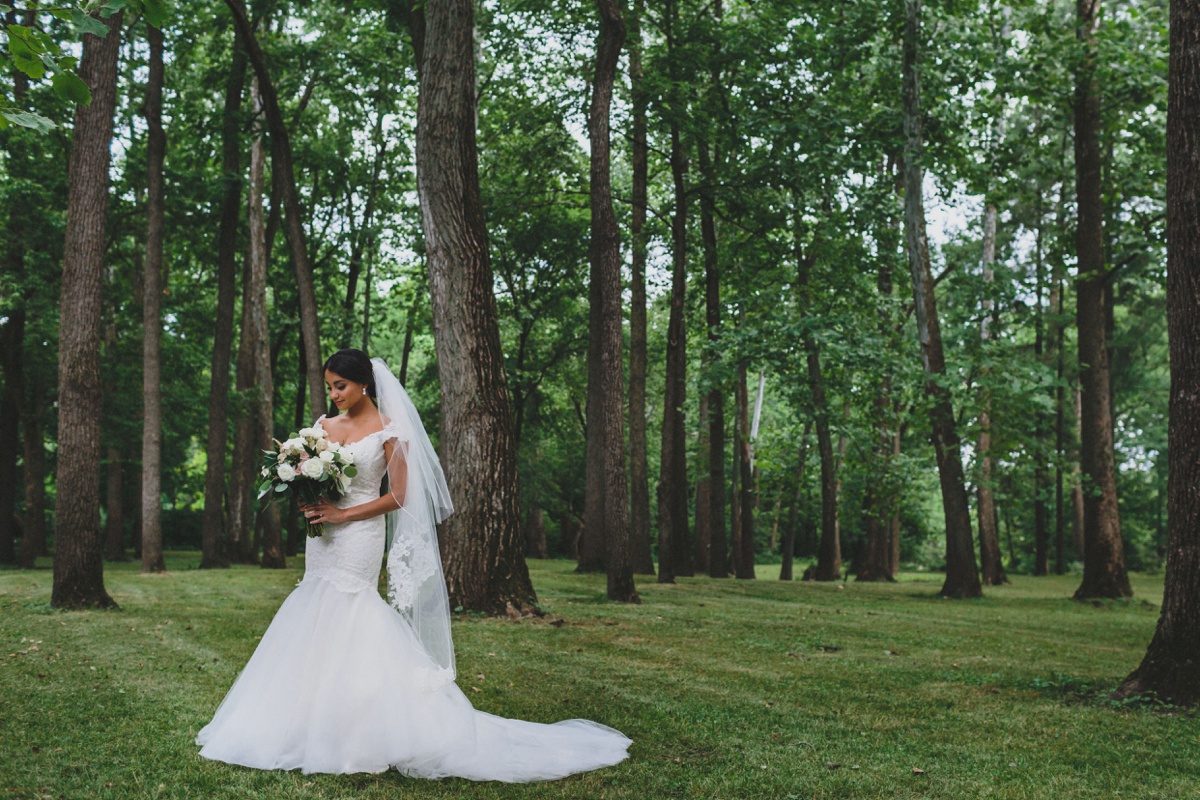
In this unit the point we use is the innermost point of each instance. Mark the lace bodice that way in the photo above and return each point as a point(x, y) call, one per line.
point(350, 554)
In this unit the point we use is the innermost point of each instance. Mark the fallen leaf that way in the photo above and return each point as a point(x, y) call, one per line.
point(831, 765)
point(918, 771)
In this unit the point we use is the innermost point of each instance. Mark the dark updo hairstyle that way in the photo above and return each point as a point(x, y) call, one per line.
point(353, 365)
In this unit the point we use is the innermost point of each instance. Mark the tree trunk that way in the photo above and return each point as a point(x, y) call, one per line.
point(702, 535)
point(12, 338)
point(263, 406)
point(481, 544)
point(1104, 557)
point(744, 532)
point(609, 511)
point(213, 524)
point(991, 567)
point(33, 416)
point(360, 241)
point(78, 550)
point(283, 181)
point(535, 534)
point(153, 290)
point(788, 549)
point(1077, 510)
point(1170, 670)
point(712, 419)
point(639, 470)
point(114, 504)
point(962, 577)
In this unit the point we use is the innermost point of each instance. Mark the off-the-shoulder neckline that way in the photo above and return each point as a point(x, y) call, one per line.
point(356, 441)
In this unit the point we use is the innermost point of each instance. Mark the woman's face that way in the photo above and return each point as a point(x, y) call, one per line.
point(344, 393)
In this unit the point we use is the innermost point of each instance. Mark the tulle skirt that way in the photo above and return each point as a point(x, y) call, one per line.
point(339, 684)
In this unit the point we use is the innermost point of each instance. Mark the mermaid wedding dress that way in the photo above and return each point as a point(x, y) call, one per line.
point(341, 682)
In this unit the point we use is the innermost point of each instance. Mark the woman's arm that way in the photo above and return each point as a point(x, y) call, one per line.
point(325, 511)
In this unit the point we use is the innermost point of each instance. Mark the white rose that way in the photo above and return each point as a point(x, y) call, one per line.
point(293, 446)
point(347, 456)
point(285, 473)
point(328, 456)
point(313, 468)
point(311, 433)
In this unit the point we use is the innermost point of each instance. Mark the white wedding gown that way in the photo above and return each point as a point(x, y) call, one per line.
point(340, 683)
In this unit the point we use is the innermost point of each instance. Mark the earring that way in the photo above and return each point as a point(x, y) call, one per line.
point(364, 390)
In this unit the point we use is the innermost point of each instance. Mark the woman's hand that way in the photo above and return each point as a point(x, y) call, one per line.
point(323, 511)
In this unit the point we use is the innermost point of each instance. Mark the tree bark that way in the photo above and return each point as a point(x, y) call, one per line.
point(743, 540)
point(263, 405)
point(702, 535)
point(962, 577)
point(639, 470)
point(78, 551)
point(481, 544)
point(1170, 670)
point(712, 419)
point(608, 512)
point(114, 505)
point(33, 539)
point(991, 567)
point(788, 548)
point(12, 339)
point(153, 290)
point(283, 181)
point(1104, 557)
point(213, 524)
point(535, 534)
point(829, 552)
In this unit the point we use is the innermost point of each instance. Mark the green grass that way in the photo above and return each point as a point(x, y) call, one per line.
point(729, 689)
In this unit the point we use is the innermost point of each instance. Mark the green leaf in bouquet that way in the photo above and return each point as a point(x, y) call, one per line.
point(283, 487)
point(349, 471)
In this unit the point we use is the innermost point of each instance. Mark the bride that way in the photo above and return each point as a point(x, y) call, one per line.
point(370, 686)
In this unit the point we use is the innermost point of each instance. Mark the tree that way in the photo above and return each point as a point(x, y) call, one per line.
point(152, 549)
point(962, 577)
point(1103, 553)
point(1170, 669)
point(283, 180)
point(607, 509)
point(213, 523)
point(639, 470)
point(78, 552)
point(481, 542)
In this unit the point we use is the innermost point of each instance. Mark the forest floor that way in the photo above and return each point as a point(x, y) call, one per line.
point(729, 689)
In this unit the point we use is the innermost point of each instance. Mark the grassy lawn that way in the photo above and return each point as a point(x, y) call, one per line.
point(729, 689)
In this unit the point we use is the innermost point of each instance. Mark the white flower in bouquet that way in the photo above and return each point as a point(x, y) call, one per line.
point(311, 433)
point(347, 456)
point(327, 456)
point(286, 473)
point(313, 468)
point(292, 447)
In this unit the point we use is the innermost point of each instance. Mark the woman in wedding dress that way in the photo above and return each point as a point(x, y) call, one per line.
point(344, 682)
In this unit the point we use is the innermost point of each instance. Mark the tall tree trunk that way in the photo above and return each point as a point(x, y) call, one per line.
point(283, 181)
point(78, 549)
point(829, 553)
point(702, 535)
point(788, 549)
point(744, 533)
point(1041, 527)
point(712, 419)
point(361, 241)
point(114, 504)
point(263, 406)
point(673, 540)
point(991, 567)
point(12, 339)
point(962, 577)
point(153, 290)
point(610, 511)
point(481, 544)
point(639, 470)
point(1171, 668)
point(1077, 505)
point(33, 416)
point(1104, 557)
point(213, 523)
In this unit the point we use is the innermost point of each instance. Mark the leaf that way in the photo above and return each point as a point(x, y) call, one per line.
point(350, 471)
point(918, 771)
point(155, 12)
point(70, 86)
point(281, 487)
point(27, 119)
point(85, 23)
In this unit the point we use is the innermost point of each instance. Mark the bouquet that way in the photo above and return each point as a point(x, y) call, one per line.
point(308, 466)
